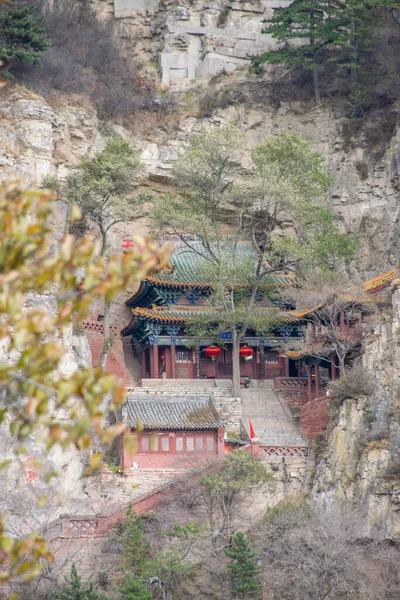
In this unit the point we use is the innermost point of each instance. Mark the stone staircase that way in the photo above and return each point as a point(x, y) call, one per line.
point(271, 419)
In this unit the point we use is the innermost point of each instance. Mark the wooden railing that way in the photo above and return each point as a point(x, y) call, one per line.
point(290, 382)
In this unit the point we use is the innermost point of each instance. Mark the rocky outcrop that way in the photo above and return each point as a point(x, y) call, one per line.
point(361, 462)
point(191, 39)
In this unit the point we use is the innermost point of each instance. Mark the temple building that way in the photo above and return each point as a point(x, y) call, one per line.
point(165, 302)
point(161, 309)
point(168, 432)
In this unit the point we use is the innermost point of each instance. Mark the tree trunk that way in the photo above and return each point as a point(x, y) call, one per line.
point(107, 338)
point(103, 233)
point(341, 365)
point(317, 92)
point(235, 363)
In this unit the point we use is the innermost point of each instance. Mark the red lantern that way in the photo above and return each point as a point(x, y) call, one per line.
point(212, 351)
point(246, 351)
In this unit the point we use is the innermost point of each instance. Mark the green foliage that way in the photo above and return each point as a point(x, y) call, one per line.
point(236, 224)
point(23, 37)
point(330, 33)
point(307, 20)
point(102, 187)
point(136, 549)
point(135, 589)
point(239, 473)
point(225, 490)
point(51, 182)
point(161, 569)
point(76, 590)
point(243, 569)
point(38, 301)
point(295, 160)
point(289, 514)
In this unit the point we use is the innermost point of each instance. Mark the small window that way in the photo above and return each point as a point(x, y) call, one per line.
point(183, 355)
point(165, 444)
point(145, 444)
point(154, 443)
point(199, 443)
point(190, 444)
point(271, 358)
point(179, 444)
point(210, 444)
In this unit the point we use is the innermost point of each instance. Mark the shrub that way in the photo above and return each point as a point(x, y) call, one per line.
point(353, 384)
point(84, 58)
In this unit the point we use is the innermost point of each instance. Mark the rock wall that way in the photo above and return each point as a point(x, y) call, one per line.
point(361, 462)
point(191, 39)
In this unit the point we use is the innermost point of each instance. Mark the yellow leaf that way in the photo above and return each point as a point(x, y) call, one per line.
point(42, 501)
point(76, 213)
point(6, 543)
point(5, 463)
point(95, 460)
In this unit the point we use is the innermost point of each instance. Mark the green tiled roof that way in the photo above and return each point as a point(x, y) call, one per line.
point(186, 268)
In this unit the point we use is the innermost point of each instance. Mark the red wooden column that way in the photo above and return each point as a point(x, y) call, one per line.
point(286, 366)
point(154, 362)
point(173, 372)
point(317, 381)
point(309, 382)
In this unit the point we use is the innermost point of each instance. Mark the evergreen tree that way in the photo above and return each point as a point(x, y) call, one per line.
point(243, 568)
point(323, 32)
point(136, 549)
point(76, 590)
point(134, 589)
point(311, 21)
point(23, 36)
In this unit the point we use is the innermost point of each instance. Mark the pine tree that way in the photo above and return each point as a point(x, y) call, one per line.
point(315, 23)
point(76, 590)
point(23, 36)
point(134, 589)
point(243, 568)
point(135, 547)
point(316, 33)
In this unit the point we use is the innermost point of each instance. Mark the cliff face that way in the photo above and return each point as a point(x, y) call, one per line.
point(361, 462)
point(193, 41)
point(39, 141)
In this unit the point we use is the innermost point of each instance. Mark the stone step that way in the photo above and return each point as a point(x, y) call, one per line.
point(271, 420)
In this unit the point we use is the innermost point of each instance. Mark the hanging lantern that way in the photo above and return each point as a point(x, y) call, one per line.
point(246, 352)
point(212, 352)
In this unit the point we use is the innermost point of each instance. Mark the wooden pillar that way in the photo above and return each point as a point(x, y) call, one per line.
point(144, 364)
point(309, 382)
point(173, 373)
point(286, 366)
point(317, 381)
point(154, 362)
point(333, 367)
point(262, 363)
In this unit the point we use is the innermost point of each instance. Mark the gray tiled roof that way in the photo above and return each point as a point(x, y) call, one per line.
point(170, 413)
